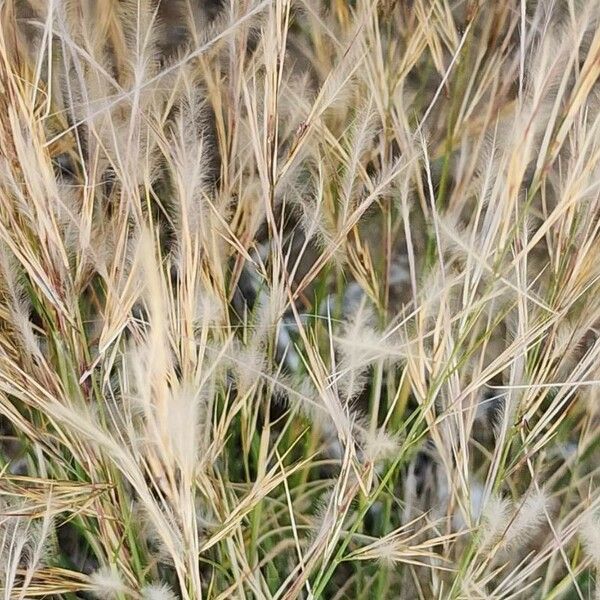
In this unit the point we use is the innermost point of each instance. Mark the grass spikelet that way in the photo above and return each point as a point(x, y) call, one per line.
point(107, 583)
point(157, 592)
point(589, 532)
point(494, 520)
point(529, 517)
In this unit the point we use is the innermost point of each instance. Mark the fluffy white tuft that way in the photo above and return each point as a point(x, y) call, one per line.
point(158, 591)
point(589, 533)
point(107, 583)
point(529, 518)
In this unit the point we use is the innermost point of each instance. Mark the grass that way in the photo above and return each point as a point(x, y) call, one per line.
point(299, 299)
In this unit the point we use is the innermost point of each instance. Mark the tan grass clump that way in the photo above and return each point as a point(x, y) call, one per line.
point(299, 299)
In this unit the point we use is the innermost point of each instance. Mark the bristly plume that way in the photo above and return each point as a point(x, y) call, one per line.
point(158, 592)
point(107, 583)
